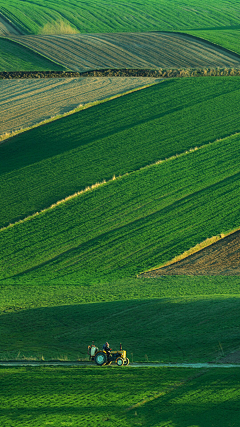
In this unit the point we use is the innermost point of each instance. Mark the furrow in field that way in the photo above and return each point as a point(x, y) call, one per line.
point(83, 52)
point(24, 103)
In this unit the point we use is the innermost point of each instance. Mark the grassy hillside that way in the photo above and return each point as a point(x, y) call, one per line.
point(132, 223)
point(227, 37)
point(132, 397)
point(111, 16)
point(54, 161)
point(14, 57)
point(52, 321)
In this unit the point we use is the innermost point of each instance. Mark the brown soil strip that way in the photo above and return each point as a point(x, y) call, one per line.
point(220, 258)
point(82, 52)
point(24, 103)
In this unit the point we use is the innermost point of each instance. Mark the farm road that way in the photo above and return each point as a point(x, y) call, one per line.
point(132, 365)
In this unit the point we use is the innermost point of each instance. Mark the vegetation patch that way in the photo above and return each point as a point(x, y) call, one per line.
point(144, 396)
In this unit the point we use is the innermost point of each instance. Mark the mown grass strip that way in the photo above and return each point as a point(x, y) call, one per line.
point(60, 158)
point(133, 223)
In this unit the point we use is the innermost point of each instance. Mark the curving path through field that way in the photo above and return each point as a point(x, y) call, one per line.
point(132, 365)
point(82, 52)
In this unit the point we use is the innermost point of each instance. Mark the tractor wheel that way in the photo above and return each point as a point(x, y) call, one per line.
point(126, 361)
point(100, 358)
point(120, 361)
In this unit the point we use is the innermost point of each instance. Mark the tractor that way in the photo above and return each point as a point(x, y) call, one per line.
point(119, 357)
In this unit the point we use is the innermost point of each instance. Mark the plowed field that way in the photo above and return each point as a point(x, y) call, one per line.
point(23, 103)
point(221, 258)
point(129, 50)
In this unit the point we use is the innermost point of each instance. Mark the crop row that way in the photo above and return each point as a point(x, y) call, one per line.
point(132, 223)
point(51, 162)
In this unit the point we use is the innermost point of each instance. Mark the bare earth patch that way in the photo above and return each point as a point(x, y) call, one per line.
point(81, 52)
point(220, 258)
point(24, 103)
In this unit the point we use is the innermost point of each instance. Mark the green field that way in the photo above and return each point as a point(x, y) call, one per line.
point(14, 57)
point(153, 397)
point(228, 37)
point(118, 230)
point(107, 16)
point(169, 156)
point(52, 321)
point(215, 20)
point(54, 161)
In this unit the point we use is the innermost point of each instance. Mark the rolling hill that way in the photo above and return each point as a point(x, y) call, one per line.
point(108, 16)
point(154, 50)
point(14, 57)
point(92, 200)
point(56, 160)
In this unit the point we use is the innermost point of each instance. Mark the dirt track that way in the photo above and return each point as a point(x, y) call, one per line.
point(24, 103)
point(83, 52)
point(132, 365)
point(220, 258)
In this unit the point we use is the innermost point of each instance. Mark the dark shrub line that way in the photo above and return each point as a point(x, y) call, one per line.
point(165, 73)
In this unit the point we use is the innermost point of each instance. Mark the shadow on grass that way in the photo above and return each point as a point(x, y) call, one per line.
point(165, 330)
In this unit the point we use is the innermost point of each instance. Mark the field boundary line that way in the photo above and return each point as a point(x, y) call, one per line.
point(104, 182)
point(6, 136)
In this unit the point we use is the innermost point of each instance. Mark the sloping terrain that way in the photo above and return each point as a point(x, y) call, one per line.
point(115, 16)
point(15, 57)
point(51, 162)
point(6, 27)
point(220, 258)
point(83, 52)
point(24, 103)
point(131, 223)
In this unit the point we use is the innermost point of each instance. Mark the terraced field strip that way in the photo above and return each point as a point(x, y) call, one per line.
point(83, 52)
point(56, 160)
point(24, 103)
point(117, 230)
